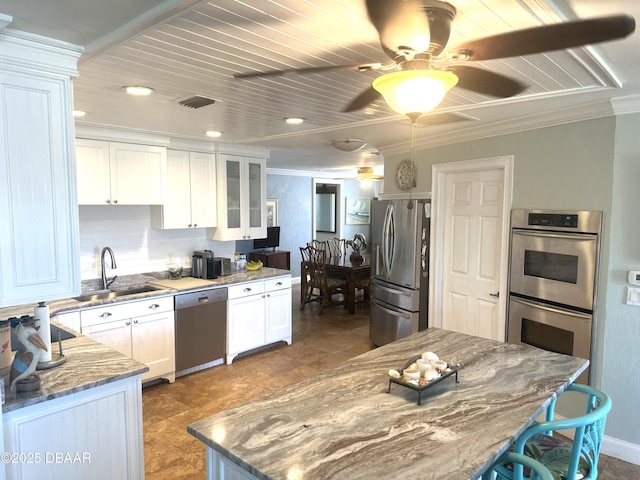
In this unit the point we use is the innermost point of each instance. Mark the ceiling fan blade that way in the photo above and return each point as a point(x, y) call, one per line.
point(301, 71)
point(370, 95)
point(401, 24)
point(486, 82)
point(546, 38)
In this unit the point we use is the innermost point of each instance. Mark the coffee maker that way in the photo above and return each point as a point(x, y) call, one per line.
point(202, 264)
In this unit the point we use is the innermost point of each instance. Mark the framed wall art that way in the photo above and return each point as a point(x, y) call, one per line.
point(357, 210)
point(272, 212)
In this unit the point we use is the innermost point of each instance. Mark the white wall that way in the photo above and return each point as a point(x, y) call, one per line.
point(137, 246)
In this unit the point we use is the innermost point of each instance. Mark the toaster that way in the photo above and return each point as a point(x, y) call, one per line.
point(221, 266)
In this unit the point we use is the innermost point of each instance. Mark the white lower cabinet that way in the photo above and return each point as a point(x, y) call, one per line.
point(143, 330)
point(95, 433)
point(258, 313)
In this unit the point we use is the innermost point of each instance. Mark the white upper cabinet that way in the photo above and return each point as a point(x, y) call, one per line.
point(120, 173)
point(242, 196)
point(39, 258)
point(190, 192)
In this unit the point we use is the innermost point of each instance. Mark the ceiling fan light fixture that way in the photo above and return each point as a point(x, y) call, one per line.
point(415, 91)
point(348, 144)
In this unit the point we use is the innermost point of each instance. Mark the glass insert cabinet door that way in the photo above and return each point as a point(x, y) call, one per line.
point(244, 184)
point(256, 204)
point(234, 199)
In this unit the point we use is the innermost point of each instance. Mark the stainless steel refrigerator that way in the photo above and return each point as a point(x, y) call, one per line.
point(399, 269)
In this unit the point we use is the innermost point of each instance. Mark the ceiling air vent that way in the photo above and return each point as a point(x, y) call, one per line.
point(196, 101)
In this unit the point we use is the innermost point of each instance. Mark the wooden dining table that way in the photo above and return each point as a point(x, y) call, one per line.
point(351, 270)
point(346, 423)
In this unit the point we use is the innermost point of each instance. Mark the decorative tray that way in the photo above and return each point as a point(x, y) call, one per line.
point(450, 371)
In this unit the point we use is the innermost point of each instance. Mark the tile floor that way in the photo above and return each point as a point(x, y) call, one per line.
point(319, 342)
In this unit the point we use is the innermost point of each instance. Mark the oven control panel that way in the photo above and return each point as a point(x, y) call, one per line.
point(553, 220)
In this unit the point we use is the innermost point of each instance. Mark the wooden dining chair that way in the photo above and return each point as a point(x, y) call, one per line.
point(310, 291)
point(319, 279)
point(535, 470)
point(337, 247)
point(317, 244)
point(568, 459)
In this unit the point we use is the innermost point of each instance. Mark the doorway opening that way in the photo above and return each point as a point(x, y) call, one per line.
point(326, 220)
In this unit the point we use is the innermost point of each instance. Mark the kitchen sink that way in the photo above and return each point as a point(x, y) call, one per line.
point(113, 293)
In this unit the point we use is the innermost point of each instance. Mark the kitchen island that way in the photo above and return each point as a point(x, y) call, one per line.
point(342, 423)
point(83, 421)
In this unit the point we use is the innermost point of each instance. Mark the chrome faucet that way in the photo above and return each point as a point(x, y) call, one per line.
point(106, 284)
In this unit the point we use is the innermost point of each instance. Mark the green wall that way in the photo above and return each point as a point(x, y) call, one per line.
point(590, 165)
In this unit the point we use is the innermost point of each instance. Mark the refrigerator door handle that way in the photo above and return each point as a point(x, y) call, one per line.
point(388, 239)
point(385, 242)
point(391, 312)
point(391, 290)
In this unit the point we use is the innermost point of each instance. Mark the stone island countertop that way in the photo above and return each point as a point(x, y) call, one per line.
point(88, 364)
point(342, 423)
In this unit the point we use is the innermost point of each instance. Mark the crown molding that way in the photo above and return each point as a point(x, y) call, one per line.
point(626, 105)
point(578, 113)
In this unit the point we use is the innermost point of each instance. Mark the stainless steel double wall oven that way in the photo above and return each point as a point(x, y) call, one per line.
point(553, 277)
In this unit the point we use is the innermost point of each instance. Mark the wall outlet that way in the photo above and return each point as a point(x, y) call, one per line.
point(633, 296)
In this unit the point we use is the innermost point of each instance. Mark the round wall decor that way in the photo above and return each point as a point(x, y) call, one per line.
point(406, 175)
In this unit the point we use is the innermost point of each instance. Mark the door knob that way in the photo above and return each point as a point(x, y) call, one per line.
point(497, 294)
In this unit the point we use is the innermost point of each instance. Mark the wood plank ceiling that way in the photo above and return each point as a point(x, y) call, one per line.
point(198, 51)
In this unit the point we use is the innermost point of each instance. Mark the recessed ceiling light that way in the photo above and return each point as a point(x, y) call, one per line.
point(138, 90)
point(79, 113)
point(294, 120)
point(213, 133)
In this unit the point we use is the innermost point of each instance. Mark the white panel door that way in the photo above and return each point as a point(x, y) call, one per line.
point(92, 172)
point(38, 210)
point(137, 174)
point(203, 190)
point(246, 324)
point(115, 335)
point(278, 312)
point(153, 343)
point(176, 211)
point(472, 254)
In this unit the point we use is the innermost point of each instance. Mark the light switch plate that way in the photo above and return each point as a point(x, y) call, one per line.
point(633, 296)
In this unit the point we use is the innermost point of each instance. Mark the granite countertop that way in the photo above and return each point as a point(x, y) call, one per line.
point(176, 286)
point(342, 423)
point(88, 365)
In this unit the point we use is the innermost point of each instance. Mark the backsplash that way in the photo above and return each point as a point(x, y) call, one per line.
point(137, 246)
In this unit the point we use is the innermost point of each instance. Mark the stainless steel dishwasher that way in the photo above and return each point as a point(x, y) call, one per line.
point(201, 329)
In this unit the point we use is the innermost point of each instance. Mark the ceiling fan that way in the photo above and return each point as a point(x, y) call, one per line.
point(415, 33)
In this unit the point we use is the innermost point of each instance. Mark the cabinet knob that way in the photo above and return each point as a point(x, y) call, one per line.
point(247, 290)
point(189, 226)
point(127, 322)
point(105, 315)
point(195, 225)
point(135, 321)
point(115, 201)
point(154, 306)
point(108, 201)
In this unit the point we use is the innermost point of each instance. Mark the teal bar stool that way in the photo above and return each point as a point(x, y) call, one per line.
point(568, 459)
point(499, 471)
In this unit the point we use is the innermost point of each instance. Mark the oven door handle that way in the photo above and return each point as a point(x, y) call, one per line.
point(549, 308)
point(562, 236)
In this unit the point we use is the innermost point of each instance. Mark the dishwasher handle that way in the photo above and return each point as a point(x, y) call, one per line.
point(201, 298)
